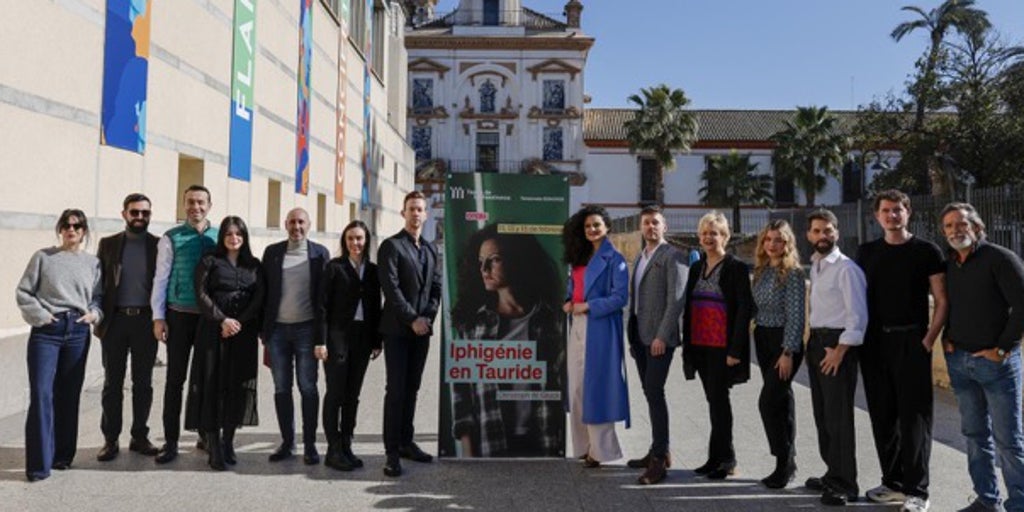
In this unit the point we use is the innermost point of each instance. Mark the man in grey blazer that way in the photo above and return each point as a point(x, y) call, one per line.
point(656, 302)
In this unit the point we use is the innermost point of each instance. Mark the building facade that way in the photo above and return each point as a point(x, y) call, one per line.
point(495, 87)
point(326, 110)
point(622, 181)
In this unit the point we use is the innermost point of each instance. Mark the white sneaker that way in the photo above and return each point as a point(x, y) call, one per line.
point(883, 494)
point(915, 504)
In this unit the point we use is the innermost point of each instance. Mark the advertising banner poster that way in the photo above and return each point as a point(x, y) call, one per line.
point(302, 118)
point(125, 74)
point(242, 73)
point(504, 359)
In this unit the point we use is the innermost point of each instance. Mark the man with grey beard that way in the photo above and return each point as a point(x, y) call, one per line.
point(985, 287)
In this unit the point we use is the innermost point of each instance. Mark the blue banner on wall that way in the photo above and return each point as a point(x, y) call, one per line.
point(125, 72)
point(243, 65)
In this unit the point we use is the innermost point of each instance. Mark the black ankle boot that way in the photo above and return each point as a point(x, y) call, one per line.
point(346, 452)
point(213, 447)
point(228, 447)
point(785, 469)
point(335, 459)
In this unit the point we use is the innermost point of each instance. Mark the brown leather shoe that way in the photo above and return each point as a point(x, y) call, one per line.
point(645, 461)
point(108, 452)
point(655, 472)
point(590, 462)
point(142, 446)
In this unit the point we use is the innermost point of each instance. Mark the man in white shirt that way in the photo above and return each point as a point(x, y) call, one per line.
point(838, 319)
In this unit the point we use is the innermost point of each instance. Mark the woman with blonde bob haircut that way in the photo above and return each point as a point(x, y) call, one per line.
point(779, 290)
point(716, 335)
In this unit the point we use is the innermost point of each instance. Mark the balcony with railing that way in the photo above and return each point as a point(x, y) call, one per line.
point(435, 169)
point(525, 18)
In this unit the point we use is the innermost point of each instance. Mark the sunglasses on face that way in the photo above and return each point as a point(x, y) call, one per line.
point(139, 213)
point(76, 226)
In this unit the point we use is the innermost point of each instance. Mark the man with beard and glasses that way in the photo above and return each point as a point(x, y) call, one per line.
point(128, 260)
point(896, 358)
point(838, 319)
point(985, 285)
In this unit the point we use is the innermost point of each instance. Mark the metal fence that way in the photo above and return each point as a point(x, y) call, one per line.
point(684, 220)
point(1002, 209)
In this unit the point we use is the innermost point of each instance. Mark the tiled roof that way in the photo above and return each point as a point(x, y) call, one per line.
point(606, 124)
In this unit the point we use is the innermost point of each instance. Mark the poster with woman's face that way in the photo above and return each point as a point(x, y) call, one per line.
point(503, 361)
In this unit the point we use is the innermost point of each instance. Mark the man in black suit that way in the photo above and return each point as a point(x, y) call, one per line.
point(128, 260)
point(410, 281)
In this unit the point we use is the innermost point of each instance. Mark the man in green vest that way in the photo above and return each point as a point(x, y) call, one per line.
point(175, 312)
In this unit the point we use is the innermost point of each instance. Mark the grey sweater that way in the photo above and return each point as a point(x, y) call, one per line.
point(56, 281)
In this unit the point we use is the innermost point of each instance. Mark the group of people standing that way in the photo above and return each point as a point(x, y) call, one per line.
point(200, 290)
point(872, 311)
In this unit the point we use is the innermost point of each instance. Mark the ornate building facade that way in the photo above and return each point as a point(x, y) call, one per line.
point(495, 87)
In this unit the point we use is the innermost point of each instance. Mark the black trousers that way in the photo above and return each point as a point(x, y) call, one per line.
point(653, 372)
point(715, 378)
point(181, 338)
point(897, 375)
point(778, 412)
point(128, 334)
point(344, 373)
point(832, 400)
point(404, 359)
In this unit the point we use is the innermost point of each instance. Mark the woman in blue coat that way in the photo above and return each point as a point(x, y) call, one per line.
point(598, 289)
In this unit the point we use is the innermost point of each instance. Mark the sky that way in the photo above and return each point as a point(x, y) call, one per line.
point(756, 54)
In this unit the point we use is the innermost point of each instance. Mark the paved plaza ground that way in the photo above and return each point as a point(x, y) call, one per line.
point(134, 483)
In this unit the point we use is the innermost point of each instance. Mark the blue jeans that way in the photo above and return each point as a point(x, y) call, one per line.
point(56, 358)
point(291, 347)
point(989, 395)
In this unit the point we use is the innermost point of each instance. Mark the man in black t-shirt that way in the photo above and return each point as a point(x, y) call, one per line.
point(896, 358)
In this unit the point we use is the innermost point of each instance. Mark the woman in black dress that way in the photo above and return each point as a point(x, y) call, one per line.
point(351, 295)
point(230, 289)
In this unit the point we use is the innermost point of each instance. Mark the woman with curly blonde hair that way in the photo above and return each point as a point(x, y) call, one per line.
point(779, 290)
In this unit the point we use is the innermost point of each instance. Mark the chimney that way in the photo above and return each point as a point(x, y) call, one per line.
point(572, 13)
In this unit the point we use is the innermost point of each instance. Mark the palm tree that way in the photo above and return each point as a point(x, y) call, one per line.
point(731, 180)
point(809, 149)
point(661, 127)
point(959, 15)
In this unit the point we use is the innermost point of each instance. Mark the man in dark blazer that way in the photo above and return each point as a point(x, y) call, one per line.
point(656, 302)
point(410, 280)
point(293, 330)
point(128, 260)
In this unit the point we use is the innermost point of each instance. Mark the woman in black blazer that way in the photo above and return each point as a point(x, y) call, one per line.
point(716, 335)
point(351, 297)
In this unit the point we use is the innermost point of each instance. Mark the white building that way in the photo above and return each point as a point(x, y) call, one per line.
point(495, 87)
point(622, 181)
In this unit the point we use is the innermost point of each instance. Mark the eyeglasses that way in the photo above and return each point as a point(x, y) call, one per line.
point(77, 226)
point(139, 213)
point(488, 263)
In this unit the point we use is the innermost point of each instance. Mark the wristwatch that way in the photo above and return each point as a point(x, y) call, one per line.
point(787, 352)
point(1001, 353)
